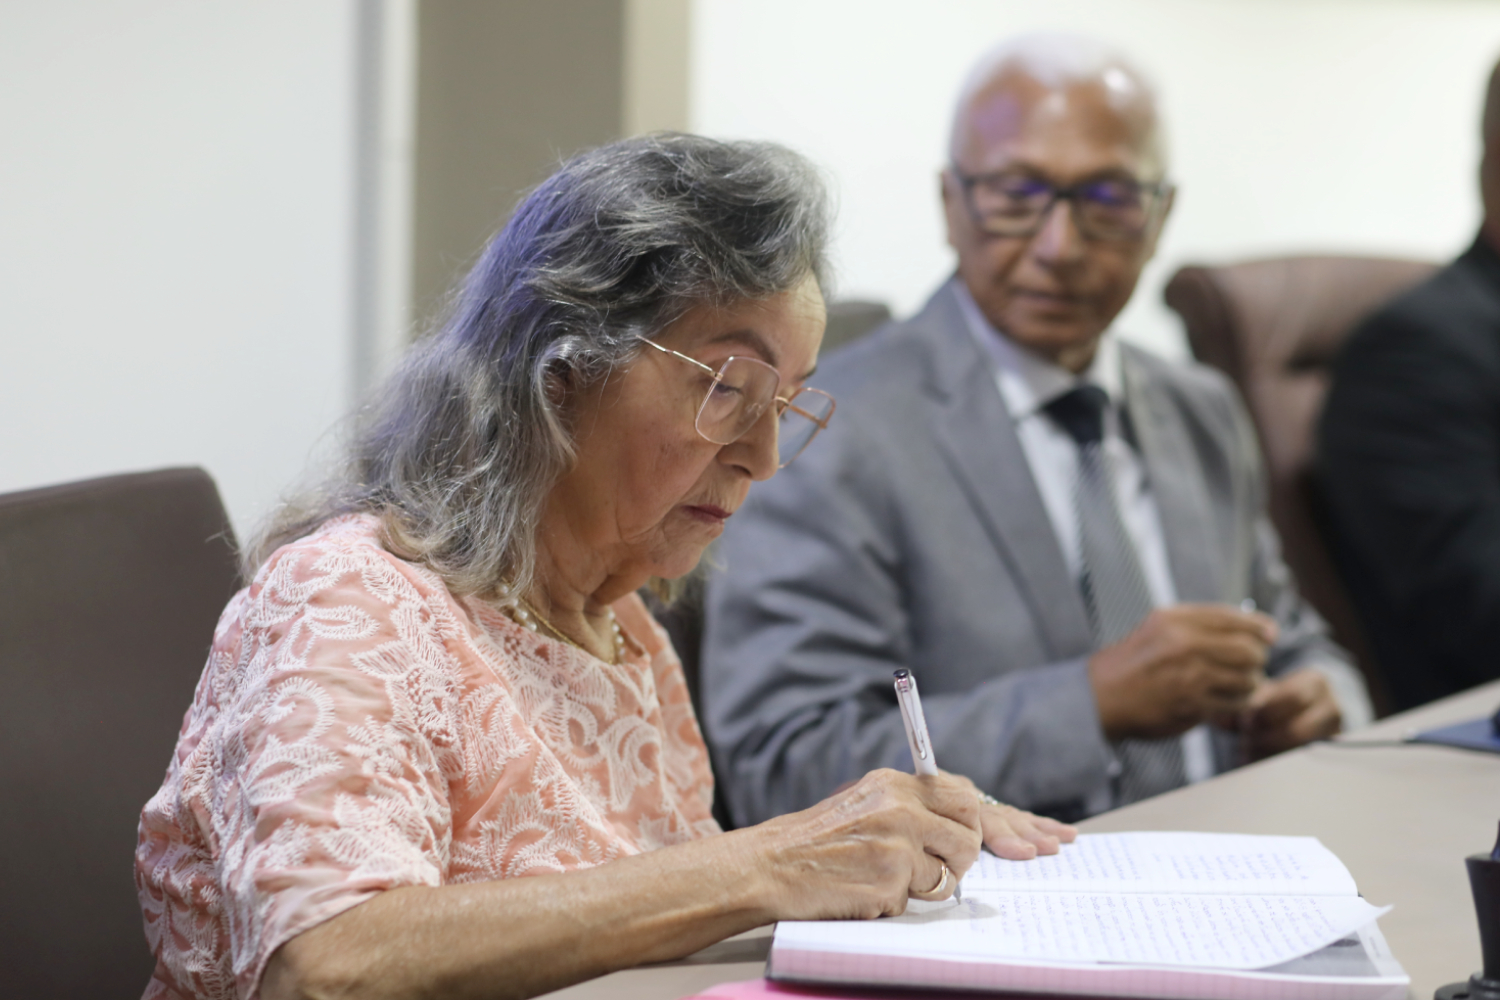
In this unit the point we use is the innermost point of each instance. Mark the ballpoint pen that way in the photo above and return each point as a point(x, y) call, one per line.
point(922, 759)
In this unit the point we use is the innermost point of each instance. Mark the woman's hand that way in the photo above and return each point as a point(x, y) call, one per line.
point(866, 849)
point(1019, 835)
point(1014, 833)
point(863, 851)
point(860, 853)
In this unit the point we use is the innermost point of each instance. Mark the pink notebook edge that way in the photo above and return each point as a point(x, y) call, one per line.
point(756, 989)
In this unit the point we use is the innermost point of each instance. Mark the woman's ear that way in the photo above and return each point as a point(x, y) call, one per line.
point(559, 382)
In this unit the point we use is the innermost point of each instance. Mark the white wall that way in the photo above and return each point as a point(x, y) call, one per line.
point(175, 238)
point(176, 227)
point(1296, 125)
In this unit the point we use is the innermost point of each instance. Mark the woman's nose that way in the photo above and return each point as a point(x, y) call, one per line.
point(756, 450)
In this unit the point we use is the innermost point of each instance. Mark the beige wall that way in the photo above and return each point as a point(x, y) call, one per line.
point(503, 91)
point(658, 38)
point(506, 90)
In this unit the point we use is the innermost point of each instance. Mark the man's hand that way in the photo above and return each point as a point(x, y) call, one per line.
point(1181, 666)
point(1289, 711)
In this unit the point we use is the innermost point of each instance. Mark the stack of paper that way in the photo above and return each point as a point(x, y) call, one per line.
point(1125, 914)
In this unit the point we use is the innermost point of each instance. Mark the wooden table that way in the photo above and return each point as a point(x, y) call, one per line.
point(1401, 817)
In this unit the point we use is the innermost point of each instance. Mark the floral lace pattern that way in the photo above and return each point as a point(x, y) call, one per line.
point(358, 728)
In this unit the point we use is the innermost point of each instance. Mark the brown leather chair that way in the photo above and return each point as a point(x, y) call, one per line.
point(109, 593)
point(1274, 327)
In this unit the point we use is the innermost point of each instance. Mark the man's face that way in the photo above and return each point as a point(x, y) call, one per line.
point(1054, 291)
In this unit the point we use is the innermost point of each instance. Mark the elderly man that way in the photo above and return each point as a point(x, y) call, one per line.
point(1062, 536)
point(1410, 456)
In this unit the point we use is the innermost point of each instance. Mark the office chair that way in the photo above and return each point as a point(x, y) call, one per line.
point(1274, 327)
point(109, 593)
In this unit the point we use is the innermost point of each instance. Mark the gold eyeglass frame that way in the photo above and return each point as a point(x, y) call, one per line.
point(782, 403)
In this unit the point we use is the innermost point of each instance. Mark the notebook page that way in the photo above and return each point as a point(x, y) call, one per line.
point(1363, 955)
point(1222, 932)
point(1222, 863)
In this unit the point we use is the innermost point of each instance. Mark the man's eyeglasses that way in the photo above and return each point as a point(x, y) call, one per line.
point(1014, 203)
point(741, 390)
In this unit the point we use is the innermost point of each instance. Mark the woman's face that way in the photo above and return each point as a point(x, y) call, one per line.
point(647, 493)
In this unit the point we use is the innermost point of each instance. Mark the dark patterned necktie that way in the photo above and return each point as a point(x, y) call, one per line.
point(1113, 584)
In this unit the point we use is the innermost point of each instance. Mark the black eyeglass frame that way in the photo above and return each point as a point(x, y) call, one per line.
point(1159, 192)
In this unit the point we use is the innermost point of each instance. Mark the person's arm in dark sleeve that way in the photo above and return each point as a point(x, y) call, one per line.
point(807, 618)
point(1410, 464)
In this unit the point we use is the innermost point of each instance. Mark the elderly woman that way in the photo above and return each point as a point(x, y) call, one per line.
point(440, 678)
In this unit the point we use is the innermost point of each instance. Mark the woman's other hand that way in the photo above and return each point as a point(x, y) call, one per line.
point(1014, 833)
point(1019, 835)
point(863, 851)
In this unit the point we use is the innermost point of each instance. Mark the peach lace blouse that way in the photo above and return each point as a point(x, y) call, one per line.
point(358, 728)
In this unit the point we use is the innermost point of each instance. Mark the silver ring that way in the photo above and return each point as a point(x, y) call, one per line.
point(985, 798)
point(937, 890)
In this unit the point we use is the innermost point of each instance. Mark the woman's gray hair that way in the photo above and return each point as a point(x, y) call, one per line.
point(456, 453)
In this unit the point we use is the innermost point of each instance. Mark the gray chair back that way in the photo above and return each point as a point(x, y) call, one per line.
point(850, 319)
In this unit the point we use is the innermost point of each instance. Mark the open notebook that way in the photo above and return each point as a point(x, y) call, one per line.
point(1124, 914)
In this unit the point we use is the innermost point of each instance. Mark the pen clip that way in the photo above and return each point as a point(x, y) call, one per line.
point(911, 708)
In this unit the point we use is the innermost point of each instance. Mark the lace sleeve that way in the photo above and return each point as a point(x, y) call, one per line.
point(320, 778)
point(359, 728)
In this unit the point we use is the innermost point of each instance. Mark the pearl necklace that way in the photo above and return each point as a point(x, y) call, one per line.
point(528, 617)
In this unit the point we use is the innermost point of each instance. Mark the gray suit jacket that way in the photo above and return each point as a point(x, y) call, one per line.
point(912, 534)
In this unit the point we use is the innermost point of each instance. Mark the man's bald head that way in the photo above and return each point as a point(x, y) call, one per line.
point(1055, 193)
point(1016, 77)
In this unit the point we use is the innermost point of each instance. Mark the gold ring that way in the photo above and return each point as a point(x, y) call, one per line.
point(937, 889)
point(985, 798)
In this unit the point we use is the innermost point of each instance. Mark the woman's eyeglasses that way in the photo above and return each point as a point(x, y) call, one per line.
point(743, 389)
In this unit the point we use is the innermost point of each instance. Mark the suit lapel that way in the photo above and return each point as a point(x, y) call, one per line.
point(978, 439)
point(1177, 484)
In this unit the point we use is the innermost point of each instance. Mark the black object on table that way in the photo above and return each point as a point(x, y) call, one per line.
point(1484, 879)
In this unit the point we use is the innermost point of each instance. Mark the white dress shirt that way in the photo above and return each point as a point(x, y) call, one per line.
point(1027, 383)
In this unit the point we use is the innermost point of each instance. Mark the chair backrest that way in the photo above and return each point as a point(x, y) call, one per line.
point(1275, 326)
point(109, 593)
